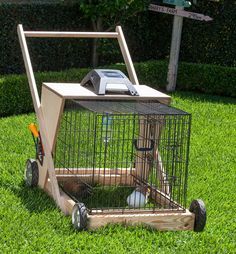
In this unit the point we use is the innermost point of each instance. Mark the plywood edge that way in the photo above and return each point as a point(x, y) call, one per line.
point(46, 85)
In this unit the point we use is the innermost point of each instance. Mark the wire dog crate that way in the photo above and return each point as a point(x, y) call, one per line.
point(111, 157)
point(135, 147)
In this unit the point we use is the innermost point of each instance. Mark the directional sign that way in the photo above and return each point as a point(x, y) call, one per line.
point(181, 13)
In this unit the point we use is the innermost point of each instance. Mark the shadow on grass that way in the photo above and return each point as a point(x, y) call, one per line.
point(201, 97)
point(34, 199)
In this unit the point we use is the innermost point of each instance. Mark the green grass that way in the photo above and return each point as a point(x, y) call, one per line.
point(30, 221)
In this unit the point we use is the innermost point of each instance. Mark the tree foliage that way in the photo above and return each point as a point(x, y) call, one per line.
point(106, 14)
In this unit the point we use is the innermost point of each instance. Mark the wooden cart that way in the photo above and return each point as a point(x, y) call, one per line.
point(49, 111)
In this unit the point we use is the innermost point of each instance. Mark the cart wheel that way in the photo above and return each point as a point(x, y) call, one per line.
point(79, 216)
point(31, 173)
point(198, 208)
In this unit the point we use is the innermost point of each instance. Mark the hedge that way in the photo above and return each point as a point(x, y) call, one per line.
point(15, 94)
point(47, 54)
point(148, 36)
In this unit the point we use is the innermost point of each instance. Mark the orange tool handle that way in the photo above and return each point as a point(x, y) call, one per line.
point(33, 128)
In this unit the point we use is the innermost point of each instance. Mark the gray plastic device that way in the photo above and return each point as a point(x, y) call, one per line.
point(106, 80)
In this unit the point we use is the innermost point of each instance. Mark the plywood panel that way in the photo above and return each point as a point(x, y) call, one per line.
point(76, 91)
point(52, 107)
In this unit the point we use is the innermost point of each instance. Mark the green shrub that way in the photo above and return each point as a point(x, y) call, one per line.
point(207, 78)
point(46, 53)
point(15, 94)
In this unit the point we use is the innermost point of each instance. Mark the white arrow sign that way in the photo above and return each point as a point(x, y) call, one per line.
point(181, 13)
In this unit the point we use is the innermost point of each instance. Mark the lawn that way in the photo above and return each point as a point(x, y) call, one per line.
point(30, 221)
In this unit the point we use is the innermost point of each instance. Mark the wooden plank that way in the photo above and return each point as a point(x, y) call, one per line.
point(108, 180)
point(142, 159)
point(52, 114)
point(28, 67)
point(107, 177)
point(164, 184)
point(49, 165)
point(169, 221)
point(49, 34)
point(177, 12)
point(108, 171)
point(76, 91)
point(48, 188)
point(43, 175)
point(142, 162)
point(134, 211)
point(68, 203)
point(126, 56)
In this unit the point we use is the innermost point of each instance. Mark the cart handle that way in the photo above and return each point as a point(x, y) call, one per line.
point(50, 34)
point(118, 34)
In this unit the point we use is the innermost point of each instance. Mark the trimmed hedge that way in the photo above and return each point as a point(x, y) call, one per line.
point(207, 78)
point(211, 42)
point(47, 54)
point(148, 36)
point(15, 94)
point(204, 78)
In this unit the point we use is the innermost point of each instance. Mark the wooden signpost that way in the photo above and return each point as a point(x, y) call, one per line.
point(179, 13)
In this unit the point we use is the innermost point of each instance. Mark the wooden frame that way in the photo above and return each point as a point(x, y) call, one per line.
point(48, 118)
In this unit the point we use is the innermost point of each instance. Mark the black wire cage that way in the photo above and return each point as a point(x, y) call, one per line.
point(123, 156)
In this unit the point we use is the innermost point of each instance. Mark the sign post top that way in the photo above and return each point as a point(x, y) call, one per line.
point(179, 3)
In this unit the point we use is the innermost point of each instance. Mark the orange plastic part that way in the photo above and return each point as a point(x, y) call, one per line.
point(33, 128)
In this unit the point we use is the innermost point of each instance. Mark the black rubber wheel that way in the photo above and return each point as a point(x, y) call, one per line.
point(79, 216)
point(31, 173)
point(198, 208)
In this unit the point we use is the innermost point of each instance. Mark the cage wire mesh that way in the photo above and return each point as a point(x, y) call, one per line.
point(117, 156)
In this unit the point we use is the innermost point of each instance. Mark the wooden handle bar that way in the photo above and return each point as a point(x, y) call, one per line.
point(45, 34)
